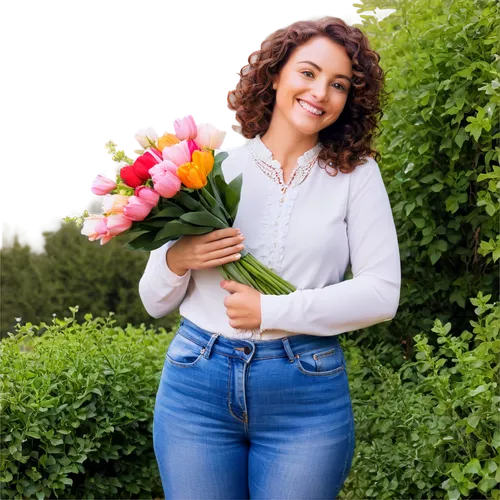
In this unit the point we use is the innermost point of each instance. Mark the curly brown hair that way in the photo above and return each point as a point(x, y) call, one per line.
point(348, 139)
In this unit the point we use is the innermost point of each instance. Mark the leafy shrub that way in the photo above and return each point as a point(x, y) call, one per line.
point(430, 429)
point(73, 270)
point(77, 405)
point(439, 141)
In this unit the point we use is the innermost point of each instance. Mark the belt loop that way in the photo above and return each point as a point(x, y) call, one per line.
point(208, 349)
point(288, 349)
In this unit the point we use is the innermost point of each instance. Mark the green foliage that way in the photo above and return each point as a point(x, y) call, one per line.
point(429, 429)
point(73, 270)
point(77, 405)
point(440, 151)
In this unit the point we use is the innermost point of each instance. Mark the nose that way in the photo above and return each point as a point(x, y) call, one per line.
point(319, 91)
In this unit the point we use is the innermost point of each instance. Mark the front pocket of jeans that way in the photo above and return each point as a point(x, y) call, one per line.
point(183, 352)
point(321, 363)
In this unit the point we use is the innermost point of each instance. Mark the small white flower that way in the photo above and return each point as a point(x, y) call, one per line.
point(18, 319)
point(54, 315)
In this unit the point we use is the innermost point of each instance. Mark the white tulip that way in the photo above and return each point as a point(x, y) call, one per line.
point(146, 137)
point(209, 136)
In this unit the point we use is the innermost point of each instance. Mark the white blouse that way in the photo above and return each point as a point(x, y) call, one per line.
point(308, 235)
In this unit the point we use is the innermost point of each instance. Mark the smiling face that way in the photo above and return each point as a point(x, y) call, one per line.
point(312, 87)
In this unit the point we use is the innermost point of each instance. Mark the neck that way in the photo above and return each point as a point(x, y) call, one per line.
point(286, 143)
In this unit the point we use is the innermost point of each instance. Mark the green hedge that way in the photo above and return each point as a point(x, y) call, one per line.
point(432, 428)
point(77, 406)
point(439, 141)
point(73, 270)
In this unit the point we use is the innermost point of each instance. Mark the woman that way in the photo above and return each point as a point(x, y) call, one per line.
point(254, 399)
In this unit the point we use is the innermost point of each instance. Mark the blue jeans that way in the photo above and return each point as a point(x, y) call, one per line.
point(241, 419)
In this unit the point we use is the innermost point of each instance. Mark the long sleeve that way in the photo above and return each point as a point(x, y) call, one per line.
point(372, 295)
point(160, 289)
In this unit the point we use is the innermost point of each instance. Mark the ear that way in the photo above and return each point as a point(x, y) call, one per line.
point(275, 82)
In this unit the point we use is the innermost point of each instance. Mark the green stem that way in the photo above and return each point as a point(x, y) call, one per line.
point(256, 273)
point(269, 287)
point(223, 273)
point(234, 271)
point(278, 278)
point(266, 275)
point(245, 273)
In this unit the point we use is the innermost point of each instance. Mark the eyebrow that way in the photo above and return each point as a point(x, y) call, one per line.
point(345, 77)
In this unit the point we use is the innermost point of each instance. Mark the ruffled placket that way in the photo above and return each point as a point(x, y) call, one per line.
point(279, 206)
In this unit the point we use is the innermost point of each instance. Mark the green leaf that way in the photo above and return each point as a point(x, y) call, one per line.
point(186, 200)
point(217, 168)
point(478, 390)
point(147, 242)
point(486, 484)
point(203, 218)
point(176, 229)
point(216, 207)
point(496, 439)
point(6, 478)
point(221, 186)
point(473, 420)
point(147, 225)
point(233, 193)
point(169, 212)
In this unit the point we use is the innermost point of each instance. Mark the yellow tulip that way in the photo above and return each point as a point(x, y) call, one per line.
point(203, 159)
point(192, 176)
point(167, 140)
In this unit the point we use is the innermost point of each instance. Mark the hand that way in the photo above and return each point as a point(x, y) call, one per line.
point(205, 251)
point(242, 306)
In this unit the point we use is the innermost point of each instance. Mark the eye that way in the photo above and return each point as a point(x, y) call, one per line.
point(341, 86)
point(310, 72)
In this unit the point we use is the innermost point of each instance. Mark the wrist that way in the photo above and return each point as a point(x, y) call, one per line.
point(173, 263)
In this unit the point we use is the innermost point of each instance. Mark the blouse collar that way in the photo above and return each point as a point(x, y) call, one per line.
point(263, 153)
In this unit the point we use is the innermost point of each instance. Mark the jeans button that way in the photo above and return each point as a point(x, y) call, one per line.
point(247, 350)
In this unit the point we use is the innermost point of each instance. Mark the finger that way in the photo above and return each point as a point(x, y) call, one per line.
point(223, 260)
point(232, 286)
point(221, 247)
point(224, 252)
point(218, 234)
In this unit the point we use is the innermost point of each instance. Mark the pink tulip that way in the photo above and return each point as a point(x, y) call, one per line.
point(115, 224)
point(167, 185)
point(178, 153)
point(102, 185)
point(192, 147)
point(185, 128)
point(209, 137)
point(94, 226)
point(147, 195)
point(165, 179)
point(137, 209)
point(163, 167)
point(114, 203)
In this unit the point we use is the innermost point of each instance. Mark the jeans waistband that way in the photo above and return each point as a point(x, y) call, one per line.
point(254, 349)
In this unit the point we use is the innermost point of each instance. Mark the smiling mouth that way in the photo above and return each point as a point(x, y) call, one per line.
point(311, 110)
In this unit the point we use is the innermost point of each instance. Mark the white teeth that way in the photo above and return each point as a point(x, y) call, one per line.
point(310, 108)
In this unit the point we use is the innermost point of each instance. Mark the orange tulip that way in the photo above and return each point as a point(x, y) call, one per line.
point(204, 159)
point(167, 140)
point(192, 175)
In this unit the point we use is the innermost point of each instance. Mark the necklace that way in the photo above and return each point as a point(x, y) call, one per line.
point(277, 174)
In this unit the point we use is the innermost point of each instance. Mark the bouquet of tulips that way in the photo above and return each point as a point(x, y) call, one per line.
point(175, 187)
